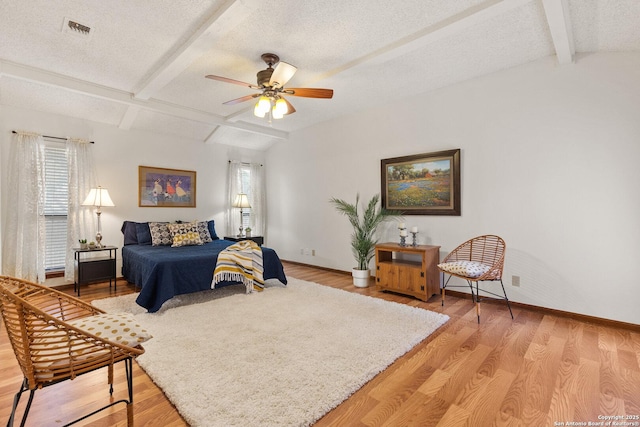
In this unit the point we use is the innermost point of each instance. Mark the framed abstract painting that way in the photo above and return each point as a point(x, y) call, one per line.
point(422, 184)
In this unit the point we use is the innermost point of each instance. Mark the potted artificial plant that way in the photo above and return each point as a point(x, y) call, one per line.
point(363, 239)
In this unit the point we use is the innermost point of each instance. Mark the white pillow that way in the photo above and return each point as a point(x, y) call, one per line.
point(471, 269)
point(121, 328)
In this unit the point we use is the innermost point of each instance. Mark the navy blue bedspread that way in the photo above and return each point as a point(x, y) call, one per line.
point(163, 272)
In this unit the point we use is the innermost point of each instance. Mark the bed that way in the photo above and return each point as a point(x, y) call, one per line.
point(163, 272)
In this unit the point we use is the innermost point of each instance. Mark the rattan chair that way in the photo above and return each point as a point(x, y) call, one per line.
point(49, 349)
point(477, 260)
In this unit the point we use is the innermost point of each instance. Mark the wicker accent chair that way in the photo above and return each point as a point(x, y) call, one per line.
point(476, 260)
point(49, 348)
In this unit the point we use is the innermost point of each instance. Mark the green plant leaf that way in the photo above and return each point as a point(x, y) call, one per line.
point(363, 240)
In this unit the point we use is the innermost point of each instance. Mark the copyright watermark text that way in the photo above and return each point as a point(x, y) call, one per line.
point(605, 421)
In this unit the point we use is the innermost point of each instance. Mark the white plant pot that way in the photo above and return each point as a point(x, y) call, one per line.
point(360, 278)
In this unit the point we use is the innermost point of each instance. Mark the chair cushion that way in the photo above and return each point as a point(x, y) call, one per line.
point(53, 356)
point(54, 352)
point(470, 269)
point(121, 328)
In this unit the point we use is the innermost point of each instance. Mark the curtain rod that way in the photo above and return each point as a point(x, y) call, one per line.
point(242, 163)
point(53, 137)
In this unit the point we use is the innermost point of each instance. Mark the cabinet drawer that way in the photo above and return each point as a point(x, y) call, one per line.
point(95, 270)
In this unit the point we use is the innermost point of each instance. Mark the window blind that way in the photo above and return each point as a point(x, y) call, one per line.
point(56, 199)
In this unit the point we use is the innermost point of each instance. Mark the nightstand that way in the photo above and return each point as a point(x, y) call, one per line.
point(258, 239)
point(94, 269)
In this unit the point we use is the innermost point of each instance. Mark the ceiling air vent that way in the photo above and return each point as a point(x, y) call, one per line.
point(76, 28)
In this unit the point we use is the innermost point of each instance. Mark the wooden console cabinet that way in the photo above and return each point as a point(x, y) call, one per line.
point(415, 275)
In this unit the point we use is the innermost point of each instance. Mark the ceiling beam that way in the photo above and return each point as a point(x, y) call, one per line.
point(559, 20)
point(227, 16)
point(129, 117)
point(35, 75)
point(209, 139)
point(445, 28)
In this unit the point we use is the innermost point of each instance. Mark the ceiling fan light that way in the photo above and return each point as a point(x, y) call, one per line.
point(264, 104)
point(275, 113)
point(258, 112)
point(281, 106)
point(282, 74)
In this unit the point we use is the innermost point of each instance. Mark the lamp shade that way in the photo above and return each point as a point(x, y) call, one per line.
point(258, 112)
point(241, 201)
point(276, 114)
point(281, 107)
point(98, 197)
point(282, 74)
point(264, 104)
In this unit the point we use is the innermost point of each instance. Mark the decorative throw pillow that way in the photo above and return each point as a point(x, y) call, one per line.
point(143, 233)
point(203, 229)
point(465, 268)
point(189, 238)
point(117, 327)
point(129, 233)
point(160, 234)
point(211, 225)
point(182, 227)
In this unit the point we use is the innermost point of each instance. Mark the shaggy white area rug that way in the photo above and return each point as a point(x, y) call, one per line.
point(282, 357)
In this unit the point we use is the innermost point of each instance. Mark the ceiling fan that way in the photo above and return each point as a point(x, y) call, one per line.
point(271, 86)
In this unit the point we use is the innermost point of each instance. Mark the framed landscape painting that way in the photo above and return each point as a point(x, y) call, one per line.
point(422, 184)
point(168, 188)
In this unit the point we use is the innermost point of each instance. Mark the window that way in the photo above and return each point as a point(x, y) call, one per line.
point(248, 179)
point(56, 196)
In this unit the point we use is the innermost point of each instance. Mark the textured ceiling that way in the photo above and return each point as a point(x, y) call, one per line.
point(144, 62)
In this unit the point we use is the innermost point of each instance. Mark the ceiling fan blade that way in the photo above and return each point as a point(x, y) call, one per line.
point(228, 80)
point(242, 99)
point(281, 74)
point(309, 92)
point(290, 110)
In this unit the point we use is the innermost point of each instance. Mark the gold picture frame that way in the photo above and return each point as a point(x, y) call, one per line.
point(166, 188)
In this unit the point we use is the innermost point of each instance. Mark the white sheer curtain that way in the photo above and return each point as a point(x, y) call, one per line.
point(80, 219)
point(24, 238)
point(257, 200)
point(254, 187)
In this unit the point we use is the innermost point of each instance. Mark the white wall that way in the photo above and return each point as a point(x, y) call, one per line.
point(118, 153)
point(550, 160)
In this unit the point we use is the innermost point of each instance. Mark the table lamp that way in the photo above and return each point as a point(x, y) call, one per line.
point(241, 201)
point(98, 197)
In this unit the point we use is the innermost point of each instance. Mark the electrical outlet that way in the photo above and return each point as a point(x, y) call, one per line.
point(313, 252)
point(301, 251)
point(515, 280)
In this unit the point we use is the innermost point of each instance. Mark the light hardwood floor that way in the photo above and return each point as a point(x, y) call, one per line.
point(536, 370)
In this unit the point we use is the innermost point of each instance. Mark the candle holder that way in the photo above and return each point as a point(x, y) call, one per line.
point(403, 230)
point(413, 235)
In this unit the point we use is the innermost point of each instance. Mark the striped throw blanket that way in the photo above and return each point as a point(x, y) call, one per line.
point(240, 262)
